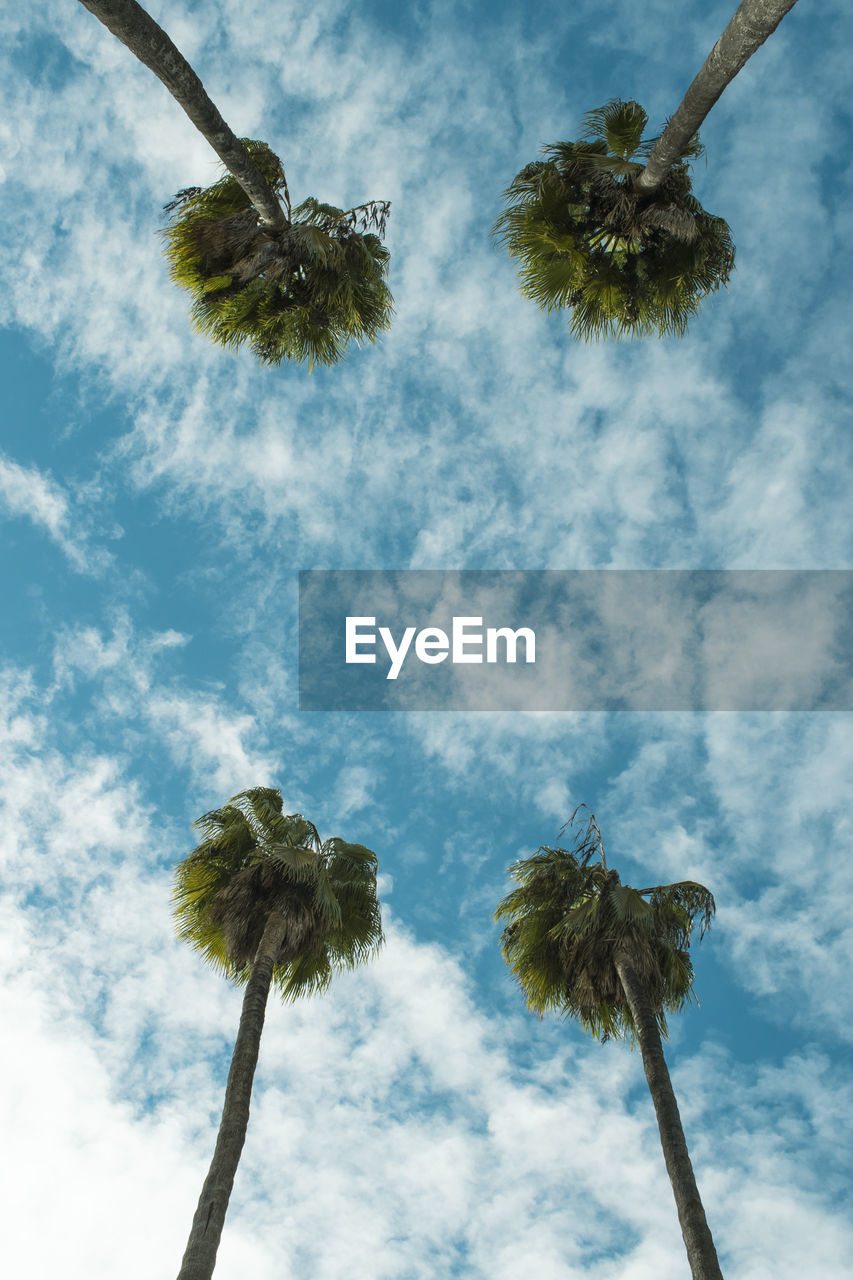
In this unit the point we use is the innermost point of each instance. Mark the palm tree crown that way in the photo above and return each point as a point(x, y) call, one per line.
point(299, 291)
point(625, 263)
point(568, 920)
point(256, 862)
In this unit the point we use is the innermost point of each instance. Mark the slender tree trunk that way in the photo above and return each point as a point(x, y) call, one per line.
point(129, 22)
point(698, 1241)
point(754, 21)
point(200, 1256)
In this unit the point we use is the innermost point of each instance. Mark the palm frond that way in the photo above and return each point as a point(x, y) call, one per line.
point(620, 125)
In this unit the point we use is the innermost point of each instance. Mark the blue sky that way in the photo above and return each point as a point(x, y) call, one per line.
point(158, 498)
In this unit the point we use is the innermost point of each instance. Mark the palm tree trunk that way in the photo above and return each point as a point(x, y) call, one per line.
point(698, 1241)
point(131, 24)
point(754, 21)
point(200, 1256)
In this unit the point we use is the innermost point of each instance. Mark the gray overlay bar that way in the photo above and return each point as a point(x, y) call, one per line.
point(605, 640)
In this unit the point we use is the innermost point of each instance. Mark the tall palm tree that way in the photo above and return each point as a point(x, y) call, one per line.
point(607, 227)
point(616, 958)
point(296, 284)
point(265, 901)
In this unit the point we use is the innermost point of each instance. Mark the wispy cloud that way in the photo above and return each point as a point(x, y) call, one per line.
point(34, 495)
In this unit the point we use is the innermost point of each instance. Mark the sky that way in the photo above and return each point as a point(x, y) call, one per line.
point(159, 497)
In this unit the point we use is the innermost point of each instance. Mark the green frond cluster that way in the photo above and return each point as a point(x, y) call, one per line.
point(569, 917)
point(301, 292)
point(620, 125)
point(253, 860)
point(623, 263)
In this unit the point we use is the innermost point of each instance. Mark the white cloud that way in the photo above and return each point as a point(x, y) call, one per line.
point(214, 742)
point(30, 493)
point(218, 745)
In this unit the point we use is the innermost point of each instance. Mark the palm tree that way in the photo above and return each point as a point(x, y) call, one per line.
point(265, 901)
point(607, 227)
point(616, 958)
point(296, 284)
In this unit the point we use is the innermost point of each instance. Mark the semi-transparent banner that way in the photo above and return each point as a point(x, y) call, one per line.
point(575, 640)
